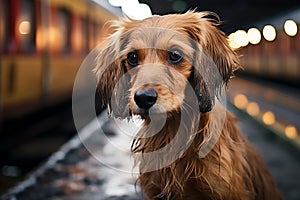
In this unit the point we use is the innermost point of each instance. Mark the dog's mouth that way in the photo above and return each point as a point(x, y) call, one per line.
point(141, 112)
point(156, 111)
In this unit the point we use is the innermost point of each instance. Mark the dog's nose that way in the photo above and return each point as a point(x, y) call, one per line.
point(145, 98)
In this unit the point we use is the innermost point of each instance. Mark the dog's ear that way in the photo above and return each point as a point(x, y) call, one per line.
point(108, 68)
point(214, 60)
point(213, 42)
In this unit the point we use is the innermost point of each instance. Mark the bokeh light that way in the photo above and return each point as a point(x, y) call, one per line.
point(241, 38)
point(254, 35)
point(132, 8)
point(268, 118)
point(290, 28)
point(179, 6)
point(240, 101)
point(269, 33)
point(253, 109)
point(232, 43)
point(290, 131)
point(24, 27)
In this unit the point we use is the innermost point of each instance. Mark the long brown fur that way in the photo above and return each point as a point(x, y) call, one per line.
point(232, 169)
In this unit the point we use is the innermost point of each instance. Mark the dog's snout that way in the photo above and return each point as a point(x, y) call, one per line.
point(145, 98)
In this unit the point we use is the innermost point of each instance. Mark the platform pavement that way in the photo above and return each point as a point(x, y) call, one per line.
point(283, 161)
point(73, 173)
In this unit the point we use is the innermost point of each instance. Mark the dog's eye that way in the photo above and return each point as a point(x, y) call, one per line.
point(132, 59)
point(175, 56)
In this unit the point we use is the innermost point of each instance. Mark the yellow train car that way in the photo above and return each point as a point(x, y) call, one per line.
point(43, 43)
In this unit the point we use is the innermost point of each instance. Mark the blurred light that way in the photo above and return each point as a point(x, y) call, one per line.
point(269, 33)
point(241, 38)
point(132, 8)
point(11, 171)
point(24, 27)
point(240, 101)
point(253, 109)
point(53, 36)
point(118, 3)
point(232, 43)
point(40, 41)
point(254, 35)
point(268, 118)
point(290, 131)
point(137, 11)
point(290, 27)
point(179, 6)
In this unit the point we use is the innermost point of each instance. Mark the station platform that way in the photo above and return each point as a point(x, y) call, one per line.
point(74, 172)
point(87, 168)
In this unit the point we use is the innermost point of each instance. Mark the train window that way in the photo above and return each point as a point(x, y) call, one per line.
point(4, 26)
point(96, 33)
point(84, 27)
point(64, 30)
point(91, 35)
point(26, 26)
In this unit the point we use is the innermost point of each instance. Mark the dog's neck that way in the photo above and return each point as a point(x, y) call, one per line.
point(175, 147)
point(160, 148)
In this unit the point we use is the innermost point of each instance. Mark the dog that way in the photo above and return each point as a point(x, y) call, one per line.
point(171, 70)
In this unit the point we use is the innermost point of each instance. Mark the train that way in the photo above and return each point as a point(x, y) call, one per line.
point(43, 43)
point(276, 53)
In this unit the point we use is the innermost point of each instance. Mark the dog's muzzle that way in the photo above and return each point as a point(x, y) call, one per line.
point(145, 98)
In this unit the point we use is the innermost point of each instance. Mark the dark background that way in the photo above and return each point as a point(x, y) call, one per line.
point(235, 14)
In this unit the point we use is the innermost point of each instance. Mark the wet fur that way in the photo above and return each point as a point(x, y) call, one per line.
point(232, 169)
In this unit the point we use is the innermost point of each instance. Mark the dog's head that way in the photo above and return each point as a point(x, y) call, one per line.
point(148, 64)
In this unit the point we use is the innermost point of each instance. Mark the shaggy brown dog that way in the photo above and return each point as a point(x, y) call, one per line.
point(183, 151)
